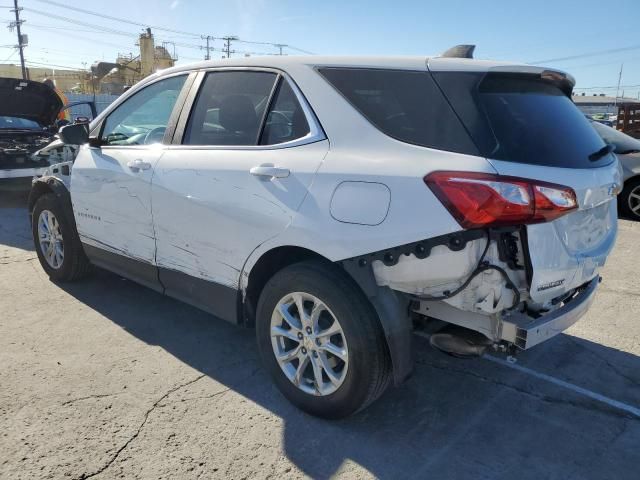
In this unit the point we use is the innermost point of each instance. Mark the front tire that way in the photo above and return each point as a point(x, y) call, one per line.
point(629, 199)
point(56, 241)
point(320, 339)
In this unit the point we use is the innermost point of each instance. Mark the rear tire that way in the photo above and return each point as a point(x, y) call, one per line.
point(360, 370)
point(56, 241)
point(629, 199)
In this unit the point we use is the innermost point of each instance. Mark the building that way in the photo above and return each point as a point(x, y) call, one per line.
point(126, 70)
point(601, 104)
point(129, 70)
point(65, 79)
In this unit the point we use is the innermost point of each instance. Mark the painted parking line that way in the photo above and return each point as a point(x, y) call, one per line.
point(635, 411)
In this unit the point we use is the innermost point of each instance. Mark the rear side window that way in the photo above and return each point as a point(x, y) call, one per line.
point(286, 120)
point(522, 118)
point(229, 108)
point(406, 105)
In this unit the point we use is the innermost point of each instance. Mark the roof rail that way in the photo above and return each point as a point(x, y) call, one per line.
point(459, 51)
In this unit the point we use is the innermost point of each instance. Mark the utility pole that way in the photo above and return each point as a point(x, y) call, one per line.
point(280, 46)
point(227, 44)
point(20, 45)
point(618, 87)
point(208, 48)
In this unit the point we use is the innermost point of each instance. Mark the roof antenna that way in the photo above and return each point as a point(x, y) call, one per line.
point(460, 51)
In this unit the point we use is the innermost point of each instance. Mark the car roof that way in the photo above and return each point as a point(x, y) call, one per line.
point(416, 62)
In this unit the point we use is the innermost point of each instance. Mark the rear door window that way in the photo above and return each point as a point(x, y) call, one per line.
point(286, 120)
point(406, 105)
point(523, 118)
point(230, 108)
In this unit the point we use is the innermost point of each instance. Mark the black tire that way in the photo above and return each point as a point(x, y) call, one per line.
point(75, 264)
point(369, 371)
point(624, 201)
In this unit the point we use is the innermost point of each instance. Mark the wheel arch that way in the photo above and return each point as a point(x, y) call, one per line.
point(45, 185)
point(392, 308)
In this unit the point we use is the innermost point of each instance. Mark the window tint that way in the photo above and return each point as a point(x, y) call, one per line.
point(406, 105)
point(229, 108)
point(142, 119)
point(286, 120)
point(522, 118)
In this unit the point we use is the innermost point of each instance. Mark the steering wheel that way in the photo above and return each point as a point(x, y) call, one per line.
point(155, 135)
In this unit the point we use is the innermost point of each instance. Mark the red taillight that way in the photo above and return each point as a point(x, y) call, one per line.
point(486, 200)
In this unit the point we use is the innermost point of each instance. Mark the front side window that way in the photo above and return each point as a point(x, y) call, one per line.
point(229, 108)
point(286, 120)
point(142, 119)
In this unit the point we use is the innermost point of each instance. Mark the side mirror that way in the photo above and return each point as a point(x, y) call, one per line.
point(76, 134)
point(82, 120)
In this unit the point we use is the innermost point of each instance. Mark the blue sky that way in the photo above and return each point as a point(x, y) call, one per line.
point(515, 30)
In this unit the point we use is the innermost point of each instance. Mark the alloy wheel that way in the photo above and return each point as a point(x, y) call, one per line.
point(309, 344)
point(633, 201)
point(50, 239)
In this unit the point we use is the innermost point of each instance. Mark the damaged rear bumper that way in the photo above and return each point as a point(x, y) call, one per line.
point(526, 332)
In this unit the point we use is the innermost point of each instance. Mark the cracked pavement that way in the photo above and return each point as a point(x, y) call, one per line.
point(106, 379)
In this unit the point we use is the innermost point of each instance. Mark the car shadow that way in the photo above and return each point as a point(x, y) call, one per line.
point(453, 419)
point(14, 223)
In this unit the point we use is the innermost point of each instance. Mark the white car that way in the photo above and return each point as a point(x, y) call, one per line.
point(328, 200)
point(627, 149)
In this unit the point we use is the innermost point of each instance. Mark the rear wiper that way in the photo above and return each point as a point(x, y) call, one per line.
point(606, 150)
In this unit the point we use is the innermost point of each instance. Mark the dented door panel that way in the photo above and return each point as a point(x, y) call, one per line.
point(210, 213)
point(112, 202)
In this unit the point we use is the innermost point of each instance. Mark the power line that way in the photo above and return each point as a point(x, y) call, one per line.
point(165, 29)
point(11, 55)
point(117, 19)
point(610, 87)
point(590, 54)
point(81, 23)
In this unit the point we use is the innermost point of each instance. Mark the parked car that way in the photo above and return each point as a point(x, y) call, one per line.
point(28, 113)
point(628, 151)
point(328, 200)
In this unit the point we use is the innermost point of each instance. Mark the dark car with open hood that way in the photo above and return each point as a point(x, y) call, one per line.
point(28, 123)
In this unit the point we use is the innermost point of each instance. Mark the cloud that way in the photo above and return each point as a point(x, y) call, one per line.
point(174, 4)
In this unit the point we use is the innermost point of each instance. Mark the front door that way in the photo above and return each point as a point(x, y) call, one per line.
point(111, 185)
point(249, 152)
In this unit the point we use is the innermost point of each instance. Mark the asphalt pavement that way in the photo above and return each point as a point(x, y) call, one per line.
point(107, 379)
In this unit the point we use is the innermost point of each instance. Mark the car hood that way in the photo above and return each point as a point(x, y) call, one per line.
point(30, 100)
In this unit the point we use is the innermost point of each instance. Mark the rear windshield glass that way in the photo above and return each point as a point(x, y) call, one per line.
point(522, 118)
point(406, 105)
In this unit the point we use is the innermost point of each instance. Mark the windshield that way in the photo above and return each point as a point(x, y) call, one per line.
point(18, 123)
point(521, 118)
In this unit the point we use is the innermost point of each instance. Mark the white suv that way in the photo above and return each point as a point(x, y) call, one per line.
point(327, 200)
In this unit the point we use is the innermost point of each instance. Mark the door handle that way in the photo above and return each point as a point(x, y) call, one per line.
point(269, 170)
point(138, 164)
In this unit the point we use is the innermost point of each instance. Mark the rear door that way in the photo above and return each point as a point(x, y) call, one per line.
point(243, 159)
point(527, 126)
